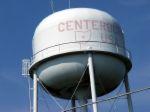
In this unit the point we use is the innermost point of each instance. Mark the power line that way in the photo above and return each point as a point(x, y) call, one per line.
point(110, 98)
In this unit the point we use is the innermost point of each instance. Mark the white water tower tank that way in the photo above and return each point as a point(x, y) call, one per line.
point(60, 51)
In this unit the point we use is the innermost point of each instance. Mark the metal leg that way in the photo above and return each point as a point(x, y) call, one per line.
point(73, 104)
point(35, 93)
point(127, 87)
point(92, 82)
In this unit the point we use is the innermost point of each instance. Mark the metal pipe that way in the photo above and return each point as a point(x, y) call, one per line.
point(129, 99)
point(92, 82)
point(73, 104)
point(35, 93)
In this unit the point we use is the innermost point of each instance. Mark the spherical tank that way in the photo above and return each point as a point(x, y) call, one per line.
point(61, 44)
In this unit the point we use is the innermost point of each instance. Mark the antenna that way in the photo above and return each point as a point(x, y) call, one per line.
point(52, 5)
point(69, 3)
point(25, 67)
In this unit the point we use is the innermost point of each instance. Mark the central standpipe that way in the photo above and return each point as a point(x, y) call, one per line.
point(73, 104)
point(92, 82)
point(35, 93)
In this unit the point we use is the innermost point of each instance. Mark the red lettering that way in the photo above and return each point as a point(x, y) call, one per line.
point(61, 27)
point(87, 23)
point(78, 24)
point(94, 24)
point(69, 25)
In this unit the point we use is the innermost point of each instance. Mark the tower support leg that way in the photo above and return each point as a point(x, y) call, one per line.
point(35, 93)
point(129, 99)
point(92, 82)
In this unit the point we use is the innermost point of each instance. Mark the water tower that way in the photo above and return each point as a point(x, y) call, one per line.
point(75, 43)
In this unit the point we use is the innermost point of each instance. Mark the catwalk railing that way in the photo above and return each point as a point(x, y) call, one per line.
point(44, 53)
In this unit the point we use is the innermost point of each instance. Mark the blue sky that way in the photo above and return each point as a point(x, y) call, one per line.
point(18, 20)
